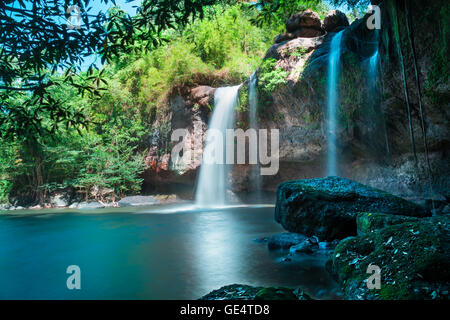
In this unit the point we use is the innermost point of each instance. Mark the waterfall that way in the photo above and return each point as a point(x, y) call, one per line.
point(333, 78)
point(373, 66)
point(255, 175)
point(213, 179)
point(373, 80)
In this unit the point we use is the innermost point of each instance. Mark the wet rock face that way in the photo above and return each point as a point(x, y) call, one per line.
point(328, 207)
point(203, 95)
point(373, 139)
point(413, 255)
point(334, 20)
point(373, 131)
point(188, 111)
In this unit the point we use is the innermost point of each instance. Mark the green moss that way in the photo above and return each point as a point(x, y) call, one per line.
point(269, 79)
point(243, 105)
point(395, 292)
point(440, 69)
point(275, 293)
point(353, 92)
point(413, 257)
point(299, 52)
point(370, 222)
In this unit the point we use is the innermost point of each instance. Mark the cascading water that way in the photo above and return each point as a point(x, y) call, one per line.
point(213, 179)
point(255, 176)
point(333, 100)
point(373, 65)
point(373, 80)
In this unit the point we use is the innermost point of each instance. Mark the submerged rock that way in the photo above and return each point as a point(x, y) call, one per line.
point(414, 258)
point(327, 207)
point(307, 246)
point(284, 240)
point(245, 292)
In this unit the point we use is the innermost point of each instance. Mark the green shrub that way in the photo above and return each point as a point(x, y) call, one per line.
point(270, 77)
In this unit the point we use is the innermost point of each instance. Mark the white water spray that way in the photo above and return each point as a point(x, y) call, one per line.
point(333, 101)
point(213, 179)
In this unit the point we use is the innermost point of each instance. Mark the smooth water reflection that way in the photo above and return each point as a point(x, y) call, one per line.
point(123, 255)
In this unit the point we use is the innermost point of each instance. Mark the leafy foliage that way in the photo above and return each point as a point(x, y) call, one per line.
point(35, 46)
point(95, 143)
point(275, 12)
point(66, 128)
point(270, 77)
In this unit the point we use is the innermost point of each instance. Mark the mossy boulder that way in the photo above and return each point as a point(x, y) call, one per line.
point(276, 293)
point(413, 256)
point(245, 292)
point(368, 222)
point(233, 292)
point(327, 207)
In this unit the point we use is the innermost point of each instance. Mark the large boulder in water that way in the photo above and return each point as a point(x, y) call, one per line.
point(327, 207)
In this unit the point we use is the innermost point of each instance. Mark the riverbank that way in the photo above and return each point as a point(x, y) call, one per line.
point(131, 201)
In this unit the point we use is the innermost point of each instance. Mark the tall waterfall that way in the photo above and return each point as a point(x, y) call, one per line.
point(372, 74)
point(213, 179)
point(255, 175)
point(333, 101)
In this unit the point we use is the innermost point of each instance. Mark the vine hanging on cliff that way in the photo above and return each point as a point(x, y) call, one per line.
point(419, 89)
point(402, 65)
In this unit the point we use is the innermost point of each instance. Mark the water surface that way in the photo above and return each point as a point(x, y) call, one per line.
point(135, 254)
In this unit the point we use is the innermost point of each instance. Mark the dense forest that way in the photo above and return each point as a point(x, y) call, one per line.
point(86, 127)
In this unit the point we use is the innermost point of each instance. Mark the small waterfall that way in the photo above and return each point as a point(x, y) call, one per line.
point(374, 92)
point(333, 100)
point(373, 66)
point(255, 174)
point(213, 179)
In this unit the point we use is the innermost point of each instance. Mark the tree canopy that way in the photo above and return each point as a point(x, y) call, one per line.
point(35, 46)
